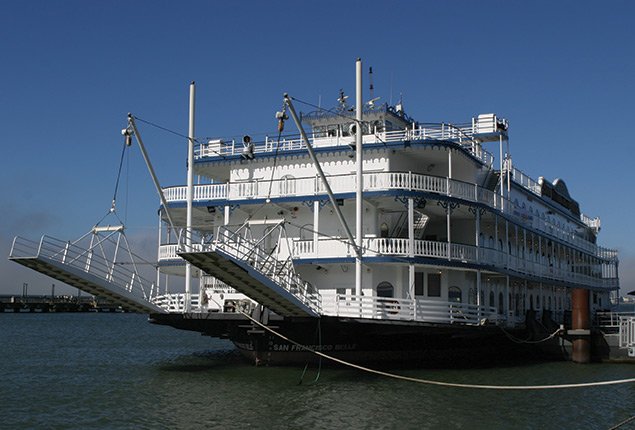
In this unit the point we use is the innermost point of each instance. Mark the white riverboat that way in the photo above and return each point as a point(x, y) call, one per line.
point(371, 236)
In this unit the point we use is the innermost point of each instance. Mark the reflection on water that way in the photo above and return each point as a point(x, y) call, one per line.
point(118, 371)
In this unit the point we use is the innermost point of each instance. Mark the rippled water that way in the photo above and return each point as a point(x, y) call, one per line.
point(118, 371)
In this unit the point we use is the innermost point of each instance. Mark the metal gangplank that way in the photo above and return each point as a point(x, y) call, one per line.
point(88, 270)
point(243, 264)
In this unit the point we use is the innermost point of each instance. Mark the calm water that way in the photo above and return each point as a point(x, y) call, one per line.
point(118, 371)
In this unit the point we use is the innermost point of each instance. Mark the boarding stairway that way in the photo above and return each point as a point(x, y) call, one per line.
point(268, 277)
point(88, 268)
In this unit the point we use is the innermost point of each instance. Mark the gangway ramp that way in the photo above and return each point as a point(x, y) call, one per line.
point(265, 280)
point(86, 270)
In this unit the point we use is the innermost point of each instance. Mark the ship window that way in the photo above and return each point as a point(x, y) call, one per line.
point(455, 295)
point(538, 302)
point(500, 304)
point(419, 284)
point(434, 285)
point(492, 302)
point(531, 302)
point(385, 289)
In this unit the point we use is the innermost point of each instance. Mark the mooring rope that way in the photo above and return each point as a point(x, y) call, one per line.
point(438, 383)
point(517, 340)
point(626, 421)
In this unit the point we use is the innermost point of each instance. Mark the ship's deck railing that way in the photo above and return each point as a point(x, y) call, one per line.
point(175, 302)
point(352, 306)
point(534, 186)
point(461, 135)
point(279, 271)
point(86, 260)
point(208, 282)
point(379, 181)
point(610, 319)
point(400, 247)
point(169, 251)
point(627, 333)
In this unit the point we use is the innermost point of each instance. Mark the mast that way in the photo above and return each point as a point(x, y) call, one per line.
point(359, 106)
point(189, 197)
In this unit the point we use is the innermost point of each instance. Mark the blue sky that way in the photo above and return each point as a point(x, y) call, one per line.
point(560, 72)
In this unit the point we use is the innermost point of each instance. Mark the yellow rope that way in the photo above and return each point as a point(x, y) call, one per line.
point(439, 383)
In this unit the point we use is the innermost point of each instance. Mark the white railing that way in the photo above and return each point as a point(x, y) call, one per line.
point(352, 306)
point(460, 135)
point(169, 251)
point(627, 332)
point(593, 223)
point(610, 319)
point(377, 181)
point(175, 303)
point(217, 286)
point(526, 181)
point(200, 193)
point(400, 247)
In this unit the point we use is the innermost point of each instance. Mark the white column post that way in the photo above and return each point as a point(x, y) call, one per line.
point(359, 231)
point(190, 189)
point(411, 247)
point(449, 205)
point(226, 215)
point(316, 226)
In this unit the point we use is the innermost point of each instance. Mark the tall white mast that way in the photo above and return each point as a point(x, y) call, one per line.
point(189, 197)
point(359, 107)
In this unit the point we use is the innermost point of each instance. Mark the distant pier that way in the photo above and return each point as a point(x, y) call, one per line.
point(62, 303)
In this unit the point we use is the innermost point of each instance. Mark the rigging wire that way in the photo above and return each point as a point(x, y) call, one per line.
point(441, 383)
point(176, 133)
point(114, 196)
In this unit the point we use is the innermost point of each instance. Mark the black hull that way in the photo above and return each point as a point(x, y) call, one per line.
point(369, 342)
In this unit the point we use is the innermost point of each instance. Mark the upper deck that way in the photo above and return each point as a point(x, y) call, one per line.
point(219, 150)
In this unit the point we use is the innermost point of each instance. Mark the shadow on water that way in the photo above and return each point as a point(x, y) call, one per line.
point(202, 361)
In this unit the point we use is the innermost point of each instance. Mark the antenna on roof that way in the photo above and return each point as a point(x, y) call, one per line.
point(370, 79)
